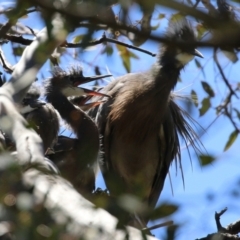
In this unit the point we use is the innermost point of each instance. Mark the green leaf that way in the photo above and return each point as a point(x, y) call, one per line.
point(179, 79)
point(164, 210)
point(207, 89)
point(18, 51)
point(176, 17)
point(237, 112)
point(24, 16)
point(201, 30)
point(198, 64)
point(206, 159)
point(126, 64)
point(133, 55)
point(78, 38)
point(155, 27)
point(205, 106)
point(126, 56)
point(230, 54)
point(108, 50)
point(161, 16)
point(194, 98)
point(231, 140)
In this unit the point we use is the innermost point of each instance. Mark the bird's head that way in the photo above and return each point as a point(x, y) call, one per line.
point(172, 53)
point(33, 93)
point(67, 82)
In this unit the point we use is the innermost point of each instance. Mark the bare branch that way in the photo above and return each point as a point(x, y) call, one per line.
point(13, 20)
point(18, 39)
point(73, 13)
point(7, 67)
point(106, 39)
point(28, 143)
point(34, 56)
point(81, 216)
point(217, 219)
point(222, 73)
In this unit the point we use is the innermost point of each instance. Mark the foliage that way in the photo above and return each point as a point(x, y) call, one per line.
point(123, 36)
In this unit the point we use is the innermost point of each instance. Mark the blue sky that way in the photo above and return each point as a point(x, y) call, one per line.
point(215, 181)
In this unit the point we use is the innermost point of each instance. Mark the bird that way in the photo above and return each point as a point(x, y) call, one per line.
point(41, 116)
point(140, 123)
point(76, 158)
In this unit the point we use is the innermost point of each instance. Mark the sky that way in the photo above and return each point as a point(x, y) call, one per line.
point(207, 189)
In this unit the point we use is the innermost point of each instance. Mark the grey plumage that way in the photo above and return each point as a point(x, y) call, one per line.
point(41, 116)
point(140, 124)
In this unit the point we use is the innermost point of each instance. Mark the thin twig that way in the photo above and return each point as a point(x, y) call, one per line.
point(12, 21)
point(223, 108)
point(106, 39)
point(222, 73)
point(211, 21)
point(217, 219)
point(8, 69)
point(168, 223)
point(196, 3)
point(222, 42)
point(230, 118)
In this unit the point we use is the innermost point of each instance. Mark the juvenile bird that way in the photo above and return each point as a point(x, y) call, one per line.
point(41, 116)
point(75, 157)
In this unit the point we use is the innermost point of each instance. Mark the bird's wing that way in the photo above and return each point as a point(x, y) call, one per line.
point(168, 147)
point(104, 126)
point(101, 116)
point(64, 143)
point(177, 122)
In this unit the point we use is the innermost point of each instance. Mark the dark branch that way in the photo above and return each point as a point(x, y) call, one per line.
point(106, 39)
point(18, 39)
point(217, 219)
point(12, 20)
point(220, 236)
point(223, 233)
point(73, 15)
point(6, 68)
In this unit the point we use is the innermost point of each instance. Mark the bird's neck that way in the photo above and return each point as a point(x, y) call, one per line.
point(81, 124)
point(71, 114)
point(165, 74)
point(60, 102)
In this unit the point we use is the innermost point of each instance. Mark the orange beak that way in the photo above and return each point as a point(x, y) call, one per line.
point(94, 93)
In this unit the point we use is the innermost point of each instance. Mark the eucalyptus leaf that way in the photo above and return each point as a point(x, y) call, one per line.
point(205, 106)
point(231, 140)
point(206, 159)
point(207, 88)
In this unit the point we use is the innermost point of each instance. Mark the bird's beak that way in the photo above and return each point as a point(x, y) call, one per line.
point(83, 80)
point(94, 93)
point(197, 53)
point(98, 77)
point(88, 106)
